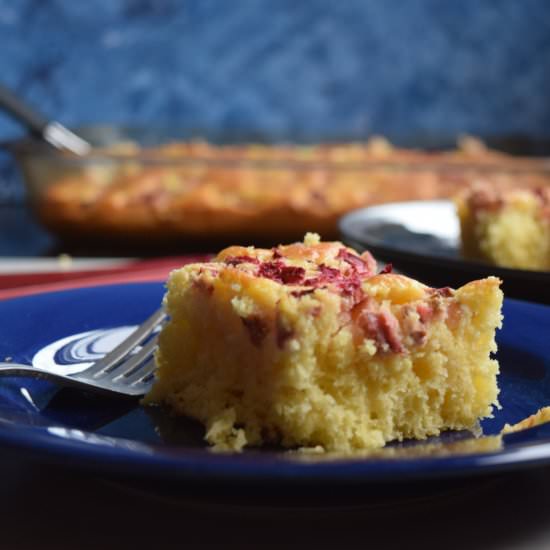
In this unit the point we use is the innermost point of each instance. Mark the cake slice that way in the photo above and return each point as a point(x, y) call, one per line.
point(508, 228)
point(542, 416)
point(308, 345)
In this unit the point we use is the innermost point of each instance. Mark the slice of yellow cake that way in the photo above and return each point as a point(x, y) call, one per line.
point(542, 416)
point(509, 228)
point(306, 345)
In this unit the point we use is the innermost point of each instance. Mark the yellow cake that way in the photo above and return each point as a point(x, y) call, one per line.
point(542, 416)
point(308, 344)
point(508, 228)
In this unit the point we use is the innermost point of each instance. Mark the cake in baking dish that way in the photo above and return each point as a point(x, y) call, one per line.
point(310, 345)
point(273, 192)
point(508, 228)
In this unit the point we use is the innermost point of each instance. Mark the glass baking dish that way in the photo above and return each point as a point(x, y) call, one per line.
point(154, 186)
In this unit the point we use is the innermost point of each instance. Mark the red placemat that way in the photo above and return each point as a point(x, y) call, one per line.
point(24, 284)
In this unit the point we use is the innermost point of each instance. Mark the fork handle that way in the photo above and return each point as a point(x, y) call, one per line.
point(18, 369)
point(21, 111)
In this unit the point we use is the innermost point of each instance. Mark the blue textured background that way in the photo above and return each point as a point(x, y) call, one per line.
point(281, 68)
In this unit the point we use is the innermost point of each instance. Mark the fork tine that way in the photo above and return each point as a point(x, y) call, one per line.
point(119, 373)
point(134, 363)
point(127, 345)
point(139, 375)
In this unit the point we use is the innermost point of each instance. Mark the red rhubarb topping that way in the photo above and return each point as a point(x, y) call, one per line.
point(236, 260)
point(300, 293)
point(278, 271)
point(446, 291)
point(356, 262)
point(282, 334)
point(425, 312)
point(391, 331)
point(379, 325)
point(257, 329)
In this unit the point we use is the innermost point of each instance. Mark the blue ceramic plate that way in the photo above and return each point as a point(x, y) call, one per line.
point(66, 330)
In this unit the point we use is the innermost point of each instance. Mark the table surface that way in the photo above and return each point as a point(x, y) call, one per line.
point(43, 506)
point(47, 507)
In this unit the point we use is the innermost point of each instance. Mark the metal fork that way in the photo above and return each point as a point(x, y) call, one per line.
point(120, 373)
